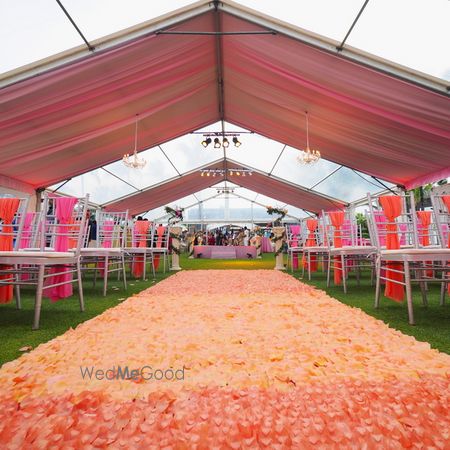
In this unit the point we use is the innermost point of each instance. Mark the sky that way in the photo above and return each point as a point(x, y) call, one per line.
point(414, 33)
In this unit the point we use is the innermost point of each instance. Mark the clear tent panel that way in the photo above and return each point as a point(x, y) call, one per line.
point(29, 27)
point(156, 170)
point(101, 186)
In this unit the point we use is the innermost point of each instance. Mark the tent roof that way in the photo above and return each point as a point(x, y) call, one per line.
point(191, 182)
point(75, 112)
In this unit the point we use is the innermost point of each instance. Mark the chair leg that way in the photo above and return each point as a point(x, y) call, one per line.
point(344, 274)
point(38, 299)
point(443, 289)
point(105, 275)
point(423, 288)
point(409, 293)
point(377, 281)
point(17, 291)
point(80, 287)
point(356, 261)
point(144, 271)
point(328, 273)
point(309, 266)
point(95, 274)
point(124, 273)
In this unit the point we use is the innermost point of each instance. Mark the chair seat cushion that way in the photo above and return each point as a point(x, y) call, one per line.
point(33, 254)
point(100, 250)
point(417, 251)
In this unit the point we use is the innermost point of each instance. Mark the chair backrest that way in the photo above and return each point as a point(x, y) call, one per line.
point(406, 222)
point(294, 235)
point(30, 231)
point(348, 230)
point(138, 234)
point(319, 233)
point(111, 229)
point(441, 215)
point(12, 220)
point(160, 236)
point(63, 223)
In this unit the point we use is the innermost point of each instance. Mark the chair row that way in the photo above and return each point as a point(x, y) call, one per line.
point(49, 250)
point(405, 245)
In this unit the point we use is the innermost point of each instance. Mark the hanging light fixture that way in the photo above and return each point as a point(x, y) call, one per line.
point(236, 141)
point(134, 161)
point(308, 156)
point(225, 143)
point(217, 143)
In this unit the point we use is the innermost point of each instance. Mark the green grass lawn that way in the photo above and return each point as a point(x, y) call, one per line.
point(433, 322)
point(58, 317)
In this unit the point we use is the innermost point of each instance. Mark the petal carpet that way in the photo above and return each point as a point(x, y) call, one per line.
point(251, 359)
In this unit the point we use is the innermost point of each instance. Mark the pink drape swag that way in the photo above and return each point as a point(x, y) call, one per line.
point(8, 208)
point(446, 200)
point(160, 233)
point(311, 224)
point(295, 230)
point(424, 232)
point(392, 208)
point(63, 212)
point(337, 220)
point(108, 228)
point(141, 228)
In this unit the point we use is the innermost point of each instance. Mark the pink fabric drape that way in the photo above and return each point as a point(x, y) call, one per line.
point(160, 233)
point(141, 228)
point(337, 220)
point(266, 246)
point(8, 208)
point(446, 200)
point(295, 230)
point(392, 208)
point(63, 213)
point(311, 224)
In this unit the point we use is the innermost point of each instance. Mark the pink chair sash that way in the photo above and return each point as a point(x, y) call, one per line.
point(63, 213)
point(8, 208)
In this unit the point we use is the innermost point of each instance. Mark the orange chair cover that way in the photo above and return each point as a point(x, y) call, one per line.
point(425, 221)
point(8, 208)
point(141, 230)
point(311, 224)
point(392, 208)
point(337, 220)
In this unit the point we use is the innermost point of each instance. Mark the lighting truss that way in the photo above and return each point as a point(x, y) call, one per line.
point(221, 172)
point(221, 138)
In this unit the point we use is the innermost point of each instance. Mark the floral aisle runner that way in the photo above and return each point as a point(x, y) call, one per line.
point(263, 361)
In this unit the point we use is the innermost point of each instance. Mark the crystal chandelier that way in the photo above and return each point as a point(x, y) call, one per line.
point(308, 156)
point(134, 161)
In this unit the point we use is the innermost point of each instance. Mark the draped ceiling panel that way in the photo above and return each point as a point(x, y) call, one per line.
point(80, 114)
point(192, 182)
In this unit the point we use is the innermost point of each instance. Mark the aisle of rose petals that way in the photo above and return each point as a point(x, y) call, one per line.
point(228, 359)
